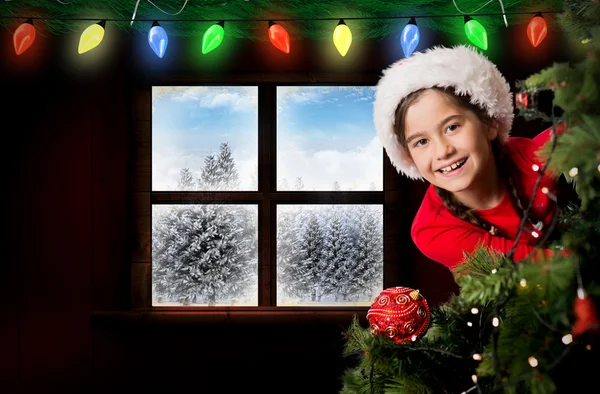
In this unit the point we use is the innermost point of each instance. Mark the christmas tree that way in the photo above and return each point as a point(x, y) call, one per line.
point(526, 327)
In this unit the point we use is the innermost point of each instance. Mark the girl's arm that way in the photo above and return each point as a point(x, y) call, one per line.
point(447, 245)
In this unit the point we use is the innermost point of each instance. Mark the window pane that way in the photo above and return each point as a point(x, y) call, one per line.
point(204, 138)
point(329, 254)
point(326, 139)
point(204, 255)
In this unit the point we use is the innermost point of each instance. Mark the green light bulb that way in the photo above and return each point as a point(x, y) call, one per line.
point(476, 33)
point(213, 37)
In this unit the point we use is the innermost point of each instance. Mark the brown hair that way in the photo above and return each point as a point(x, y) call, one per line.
point(456, 207)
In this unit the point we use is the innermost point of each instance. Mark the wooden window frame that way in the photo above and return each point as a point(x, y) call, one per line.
point(394, 198)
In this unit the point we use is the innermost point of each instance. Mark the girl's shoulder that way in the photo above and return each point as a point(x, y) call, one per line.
point(433, 212)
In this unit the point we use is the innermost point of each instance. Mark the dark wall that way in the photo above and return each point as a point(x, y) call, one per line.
point(67, 144)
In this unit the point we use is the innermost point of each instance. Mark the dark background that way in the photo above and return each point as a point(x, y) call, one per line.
point(67, 158)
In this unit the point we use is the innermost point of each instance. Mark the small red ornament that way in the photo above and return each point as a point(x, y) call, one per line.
point(399, 314)
point(279, 37)
point(537, 29)
point(586, 317)
point(522, 100)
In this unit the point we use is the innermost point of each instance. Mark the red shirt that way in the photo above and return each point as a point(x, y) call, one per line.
point(444, 238)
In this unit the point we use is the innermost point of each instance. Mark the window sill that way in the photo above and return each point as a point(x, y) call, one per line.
point(227, 316)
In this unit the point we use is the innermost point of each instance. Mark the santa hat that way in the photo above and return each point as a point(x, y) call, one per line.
point(461, 68)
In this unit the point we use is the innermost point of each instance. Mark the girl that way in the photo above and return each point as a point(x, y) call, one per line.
point(445, 115)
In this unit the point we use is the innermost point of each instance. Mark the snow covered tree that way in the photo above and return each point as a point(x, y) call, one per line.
point(298, 184)
point(288, 256)
point(367, 278)
point(310, 280)
point(209, 177)
point(200, 254)
point(338, 258)
point(186, 180)
point(226, 172)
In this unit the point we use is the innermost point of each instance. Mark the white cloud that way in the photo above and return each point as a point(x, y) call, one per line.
point(354, 169)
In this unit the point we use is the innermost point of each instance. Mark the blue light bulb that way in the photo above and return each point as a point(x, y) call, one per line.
point(410, 37)
point(158, 40)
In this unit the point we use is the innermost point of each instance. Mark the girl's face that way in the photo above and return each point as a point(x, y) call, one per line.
point(449, 145)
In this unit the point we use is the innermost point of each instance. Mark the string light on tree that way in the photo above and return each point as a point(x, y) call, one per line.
point(573, 172)
point(410, 37)
point(158, 39)
point(342, 37)
point(213, 37)
point(24, 36)
point(537, 29)
point(91, 37)
point(476, 33)
point(279, 37)
point(567, 339)
point(532, 361)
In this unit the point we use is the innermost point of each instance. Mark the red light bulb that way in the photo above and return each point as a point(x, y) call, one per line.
point(24, 36)
point(279, 37)
point(537, 29)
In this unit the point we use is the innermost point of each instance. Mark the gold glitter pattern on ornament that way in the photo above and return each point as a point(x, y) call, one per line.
point(421, 312)
point(402, 299)
point(391, 331)
point(374, 329)
point(384, 300)
point(408, 328)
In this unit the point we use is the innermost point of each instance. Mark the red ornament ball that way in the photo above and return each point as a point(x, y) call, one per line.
point(399, 314)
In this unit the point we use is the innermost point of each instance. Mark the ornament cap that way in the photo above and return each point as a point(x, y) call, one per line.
point(412, 21)
point(415, 295)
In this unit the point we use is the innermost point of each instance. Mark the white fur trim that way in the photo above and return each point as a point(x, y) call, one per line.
point(461, 67)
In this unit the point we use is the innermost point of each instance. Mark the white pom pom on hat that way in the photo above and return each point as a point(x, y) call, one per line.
point(461, 67)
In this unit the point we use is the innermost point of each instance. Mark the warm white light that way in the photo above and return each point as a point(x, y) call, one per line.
point(477, 356)
point(495, 322)
point(598, 167)
point(474, 378)
point(545, 190)
point(535, 167)
point(474, 311)
point(567, 339)
point(535, 234)
point(523, 282)
point(413, 338)
point(573, 171)
point(469, 324)
point(580, 293)
point(494, 271)
point(532, 361)
point(588, 347)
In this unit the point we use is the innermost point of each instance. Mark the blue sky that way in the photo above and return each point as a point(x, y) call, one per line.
point(325, 134)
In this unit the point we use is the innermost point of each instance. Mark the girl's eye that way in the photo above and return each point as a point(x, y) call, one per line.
point(452, 127)
point(420, 142)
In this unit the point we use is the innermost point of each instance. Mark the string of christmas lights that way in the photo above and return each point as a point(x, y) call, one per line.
point(91, 37)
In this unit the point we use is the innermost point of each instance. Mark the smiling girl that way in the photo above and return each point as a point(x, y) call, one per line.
point(444, 116)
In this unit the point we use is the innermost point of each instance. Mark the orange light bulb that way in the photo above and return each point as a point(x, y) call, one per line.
point(279, 37)
point(537, 29)
point(24, 36)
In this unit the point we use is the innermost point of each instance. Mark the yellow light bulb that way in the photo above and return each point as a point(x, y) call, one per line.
point(342, 38)
point(91, 37)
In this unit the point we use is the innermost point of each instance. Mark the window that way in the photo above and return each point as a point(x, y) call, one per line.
point(262, 197)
